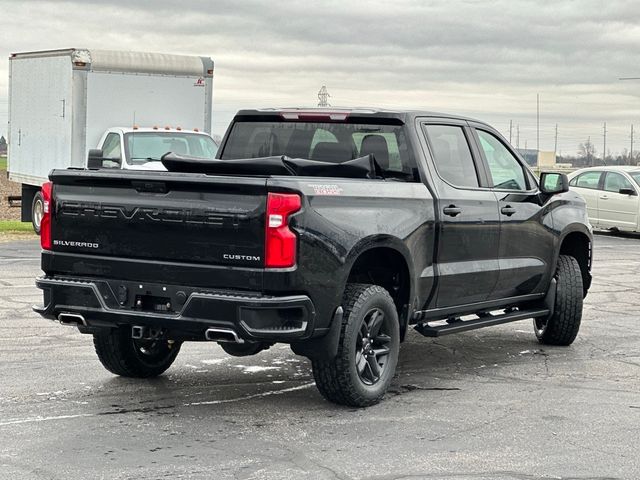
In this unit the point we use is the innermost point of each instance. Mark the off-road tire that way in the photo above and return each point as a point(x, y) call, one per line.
point(562, 327)
point(122, 355)
point(338, 379)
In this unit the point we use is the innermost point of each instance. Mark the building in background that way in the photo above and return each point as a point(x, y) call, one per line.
point(546, 159)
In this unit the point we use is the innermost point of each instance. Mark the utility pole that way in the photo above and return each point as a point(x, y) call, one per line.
point(604, 146)
point(518, 137)
point(631, 151)
point(323, 96)
point(538, 122)
point(555, 142)
point(589, 151)
point(510, 129)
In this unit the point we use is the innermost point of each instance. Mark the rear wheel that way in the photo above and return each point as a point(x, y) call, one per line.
point(37, 212)
point(128, 357)
point(368, 350)
point(561, 328)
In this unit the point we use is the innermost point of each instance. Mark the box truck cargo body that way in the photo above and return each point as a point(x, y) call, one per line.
point(61, 102)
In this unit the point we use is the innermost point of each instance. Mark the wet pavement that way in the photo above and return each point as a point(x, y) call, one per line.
point(486, 404)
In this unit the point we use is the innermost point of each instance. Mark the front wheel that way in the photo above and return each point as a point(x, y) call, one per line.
point(128, 357)
point(561, 328)
point(367, 356)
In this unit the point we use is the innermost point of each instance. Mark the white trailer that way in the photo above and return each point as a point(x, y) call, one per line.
point(61, 103)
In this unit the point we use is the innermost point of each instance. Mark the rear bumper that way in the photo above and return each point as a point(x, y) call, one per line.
point(184, 313)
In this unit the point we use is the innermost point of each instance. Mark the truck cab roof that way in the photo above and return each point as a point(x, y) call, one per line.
point(342, 113)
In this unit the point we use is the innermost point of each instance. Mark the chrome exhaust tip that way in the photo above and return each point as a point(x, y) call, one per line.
point(71, 319)
point(217, 334)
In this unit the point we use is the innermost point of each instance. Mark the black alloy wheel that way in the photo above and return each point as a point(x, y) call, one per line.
point(129, 357)
point(372, 347)
point(365, 363)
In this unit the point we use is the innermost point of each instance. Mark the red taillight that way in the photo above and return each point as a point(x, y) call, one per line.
point(280, 241)
point(47, 209)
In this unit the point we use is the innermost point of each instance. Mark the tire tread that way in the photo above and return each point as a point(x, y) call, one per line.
point(563, 326)
point(332, 376)
point(116, 355)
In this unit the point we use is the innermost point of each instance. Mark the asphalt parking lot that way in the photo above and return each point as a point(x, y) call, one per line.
point(488, 404)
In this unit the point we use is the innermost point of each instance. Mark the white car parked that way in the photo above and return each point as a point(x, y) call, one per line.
point(611, 194)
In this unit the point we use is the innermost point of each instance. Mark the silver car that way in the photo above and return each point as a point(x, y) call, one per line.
point(611, 194)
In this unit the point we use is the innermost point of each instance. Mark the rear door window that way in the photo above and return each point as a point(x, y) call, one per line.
point(452, 155)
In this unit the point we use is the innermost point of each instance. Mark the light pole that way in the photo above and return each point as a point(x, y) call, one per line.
point(630, 151)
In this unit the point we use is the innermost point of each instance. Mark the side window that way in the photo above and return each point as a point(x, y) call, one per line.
point(111, 147)
point(506, 171)
point(588, 180)
point(452, 155)
point(613, 182)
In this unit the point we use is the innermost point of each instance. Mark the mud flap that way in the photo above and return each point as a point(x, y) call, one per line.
point(325, 347)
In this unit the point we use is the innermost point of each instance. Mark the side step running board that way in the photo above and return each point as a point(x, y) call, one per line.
point(486, 321)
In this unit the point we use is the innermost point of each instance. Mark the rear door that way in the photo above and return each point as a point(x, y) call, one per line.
point(467, 213)
point(589, 185)
point(615, 209)
point(526, 230)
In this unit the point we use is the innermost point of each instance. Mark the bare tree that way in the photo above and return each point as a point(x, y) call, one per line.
point(586, 152)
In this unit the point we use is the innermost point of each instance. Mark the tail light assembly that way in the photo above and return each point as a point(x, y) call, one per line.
point(47, 210)
point(281, 243)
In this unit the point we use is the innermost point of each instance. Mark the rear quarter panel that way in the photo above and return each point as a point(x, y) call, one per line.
point(342, 218)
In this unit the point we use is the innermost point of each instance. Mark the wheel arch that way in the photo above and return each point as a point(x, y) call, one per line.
point(577, 243)
point(385, 261)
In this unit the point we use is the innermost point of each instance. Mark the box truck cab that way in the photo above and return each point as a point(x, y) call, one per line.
point(61, 103)
point(142, 148)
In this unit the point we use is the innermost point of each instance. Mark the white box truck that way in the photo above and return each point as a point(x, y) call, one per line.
point(63, 103)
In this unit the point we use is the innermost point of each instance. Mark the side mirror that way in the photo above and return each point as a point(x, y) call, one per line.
point(553, 182)
point(627, 191)
point(95, 158)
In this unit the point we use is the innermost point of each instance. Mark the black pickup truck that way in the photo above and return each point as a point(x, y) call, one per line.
point(330, 230)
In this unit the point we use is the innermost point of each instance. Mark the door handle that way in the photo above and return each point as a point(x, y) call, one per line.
point(452, 210)
point(508, 210)
point(604, 197)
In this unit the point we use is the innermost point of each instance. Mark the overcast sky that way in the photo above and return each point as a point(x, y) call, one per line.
point(485, 59)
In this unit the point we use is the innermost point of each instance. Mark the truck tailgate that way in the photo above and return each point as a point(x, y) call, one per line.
point(160, 217)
